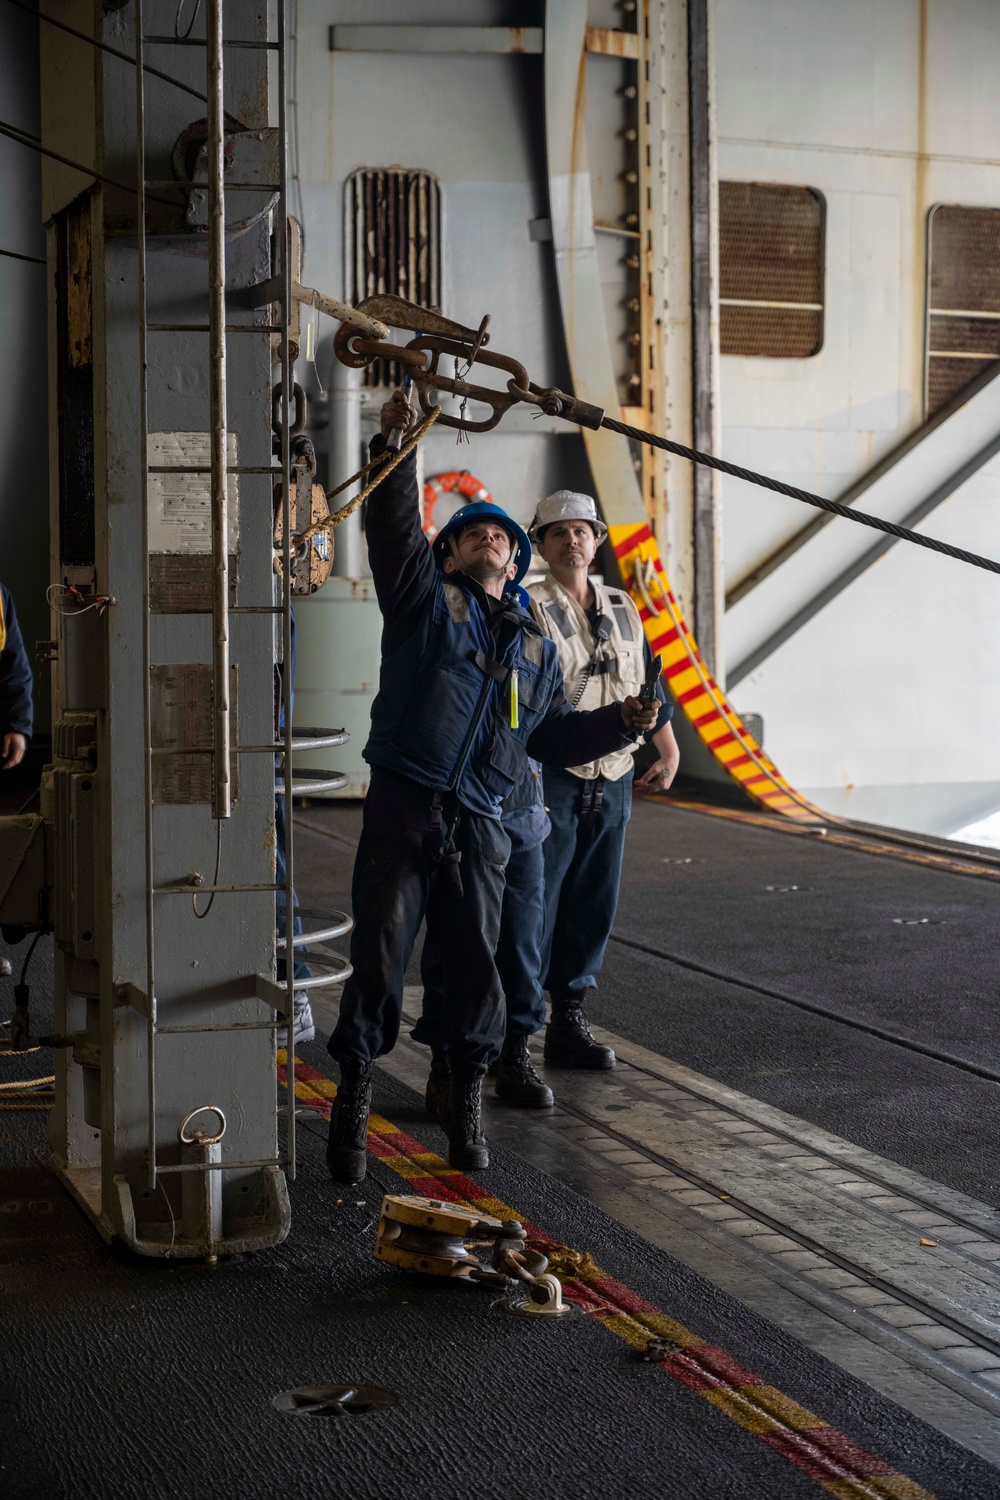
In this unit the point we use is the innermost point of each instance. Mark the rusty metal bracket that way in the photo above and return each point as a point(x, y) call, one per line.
point(428, 380)
point(397, 312)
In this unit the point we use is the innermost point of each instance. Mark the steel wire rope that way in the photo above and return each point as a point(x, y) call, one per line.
point(833, 507)
point(92, 41)
point(35, 260)
point(731, 719)
point(25, 138)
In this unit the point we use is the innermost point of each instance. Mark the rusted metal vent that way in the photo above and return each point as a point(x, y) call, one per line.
point(393, 229)
point(963, 303)
point(770, 270)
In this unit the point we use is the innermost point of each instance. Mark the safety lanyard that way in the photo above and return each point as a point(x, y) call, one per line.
point(591, 801)
point(602, 632)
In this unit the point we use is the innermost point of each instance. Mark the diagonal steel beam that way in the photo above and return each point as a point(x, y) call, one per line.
point(820, 563)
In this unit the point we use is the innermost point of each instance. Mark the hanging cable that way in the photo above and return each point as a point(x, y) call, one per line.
point(215, 877)
point(37, 260)
point(25, 138)
point(73, 595)
point(833, 507)
point(182, 36)
point(92, 41)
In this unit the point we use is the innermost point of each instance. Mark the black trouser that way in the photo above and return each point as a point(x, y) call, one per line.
point(518, 957)
point(396, 882)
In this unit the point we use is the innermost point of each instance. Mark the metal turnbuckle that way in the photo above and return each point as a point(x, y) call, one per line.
point(437, 335)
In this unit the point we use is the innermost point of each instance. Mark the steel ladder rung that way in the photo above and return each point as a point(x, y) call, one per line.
point(313, 781)
point(341, 925)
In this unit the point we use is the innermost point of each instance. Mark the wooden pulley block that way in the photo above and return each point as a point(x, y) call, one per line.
point(427, 1235)
point(312, 561)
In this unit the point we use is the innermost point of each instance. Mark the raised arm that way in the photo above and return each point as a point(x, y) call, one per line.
point(402, 567)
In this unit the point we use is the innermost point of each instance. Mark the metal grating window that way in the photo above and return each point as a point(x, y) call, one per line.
point(963, 299)
point(770, 270)
point(393, 244)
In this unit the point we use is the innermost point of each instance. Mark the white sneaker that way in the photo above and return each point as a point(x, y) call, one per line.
point(304, 1027)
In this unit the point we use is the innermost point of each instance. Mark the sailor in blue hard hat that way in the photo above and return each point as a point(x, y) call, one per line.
point(470, 542)
point(469, 687)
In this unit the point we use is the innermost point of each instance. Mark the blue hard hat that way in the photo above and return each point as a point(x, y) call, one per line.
point(484, 510)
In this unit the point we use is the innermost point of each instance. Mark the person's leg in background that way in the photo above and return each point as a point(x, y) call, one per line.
point(583, 860)
point(519, 964)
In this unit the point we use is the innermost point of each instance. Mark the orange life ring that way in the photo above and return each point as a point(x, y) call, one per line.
point(467, 485)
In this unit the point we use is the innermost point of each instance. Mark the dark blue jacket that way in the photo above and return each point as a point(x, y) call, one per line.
point(442, 714)
point(16, 709)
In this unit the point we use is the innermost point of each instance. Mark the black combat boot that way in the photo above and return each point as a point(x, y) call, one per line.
point(347, 1142)
point(466, 1142)
point(438, 1088)
point(517, 1081)
point(568, 1042)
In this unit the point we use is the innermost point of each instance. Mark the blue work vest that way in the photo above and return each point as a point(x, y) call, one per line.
point(442, 714)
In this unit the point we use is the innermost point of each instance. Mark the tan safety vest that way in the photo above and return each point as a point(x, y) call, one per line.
point(619, 668)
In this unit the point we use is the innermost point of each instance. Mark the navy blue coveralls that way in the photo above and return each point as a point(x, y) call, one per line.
point(444, 755)
point(522, 922)
point(16, 708)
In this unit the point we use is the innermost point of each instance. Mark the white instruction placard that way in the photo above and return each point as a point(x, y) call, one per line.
point(180, 505)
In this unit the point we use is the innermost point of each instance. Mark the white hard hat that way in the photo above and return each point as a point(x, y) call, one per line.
point(567, 505)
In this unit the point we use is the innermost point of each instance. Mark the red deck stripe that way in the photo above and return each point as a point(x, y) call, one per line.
point(825, 1454)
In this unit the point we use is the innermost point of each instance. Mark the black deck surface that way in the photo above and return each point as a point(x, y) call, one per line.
point(833, 944)
point(133, 1379)
point(130, 1378)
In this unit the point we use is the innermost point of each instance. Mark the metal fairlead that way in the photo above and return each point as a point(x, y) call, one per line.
point(438, 335)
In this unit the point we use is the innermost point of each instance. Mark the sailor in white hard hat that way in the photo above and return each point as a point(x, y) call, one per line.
point(605, 658)
point(567, 505)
